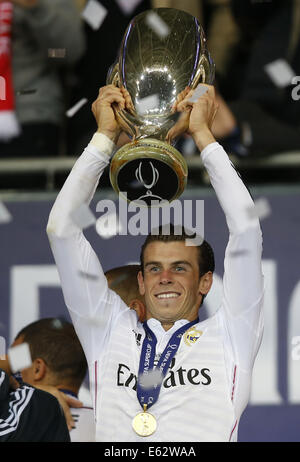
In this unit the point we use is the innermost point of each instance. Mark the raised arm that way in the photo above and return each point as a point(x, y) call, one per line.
point(243, 280)
point(89, 301)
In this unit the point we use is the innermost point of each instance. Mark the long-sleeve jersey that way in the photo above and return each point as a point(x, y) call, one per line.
point(207, 385)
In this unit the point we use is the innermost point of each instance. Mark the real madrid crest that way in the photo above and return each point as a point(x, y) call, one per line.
point(191, 336)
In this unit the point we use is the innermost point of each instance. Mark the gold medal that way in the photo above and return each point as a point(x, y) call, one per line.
point(144, 423)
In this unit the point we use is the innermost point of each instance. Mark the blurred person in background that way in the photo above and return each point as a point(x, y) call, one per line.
point(39, 413)
point(267, 115)
point(256, 117)
point(102, 46)
point(213, 15)
point(40, 40)
point(124, 281)
point(58, 361)
point(28, 414)
point(216, 18)
point(59, 367)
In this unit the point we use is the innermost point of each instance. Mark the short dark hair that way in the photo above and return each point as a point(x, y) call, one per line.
point(55, 341)
point(206, 259)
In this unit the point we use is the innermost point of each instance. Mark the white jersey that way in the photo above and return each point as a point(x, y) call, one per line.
point(84, 430)
point(207, 385)
point(84, 419)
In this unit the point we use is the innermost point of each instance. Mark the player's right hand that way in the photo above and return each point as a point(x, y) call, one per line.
point(104, 113)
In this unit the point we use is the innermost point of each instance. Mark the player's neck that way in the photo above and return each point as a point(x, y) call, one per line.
point(70, 388)
point(167, 326)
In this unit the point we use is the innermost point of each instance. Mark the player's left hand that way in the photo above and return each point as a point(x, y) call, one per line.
point(196, 117)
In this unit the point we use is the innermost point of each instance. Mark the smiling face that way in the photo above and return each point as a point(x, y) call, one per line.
point(171, 283)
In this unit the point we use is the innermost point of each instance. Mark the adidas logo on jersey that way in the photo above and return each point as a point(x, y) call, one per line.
point(137, 337)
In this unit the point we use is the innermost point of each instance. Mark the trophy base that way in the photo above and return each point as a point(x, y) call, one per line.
point(149, 172)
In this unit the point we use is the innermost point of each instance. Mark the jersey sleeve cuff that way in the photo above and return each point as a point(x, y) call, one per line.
point(103, 144)
point(209, 149)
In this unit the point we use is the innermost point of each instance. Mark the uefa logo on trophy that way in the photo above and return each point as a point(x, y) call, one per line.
point(162, 52)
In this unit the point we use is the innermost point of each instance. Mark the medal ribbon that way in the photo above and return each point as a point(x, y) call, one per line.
point(149, 396)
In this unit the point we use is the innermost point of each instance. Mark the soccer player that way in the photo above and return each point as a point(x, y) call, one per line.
point(123, 281)
point(58, 361)
point(171, 378)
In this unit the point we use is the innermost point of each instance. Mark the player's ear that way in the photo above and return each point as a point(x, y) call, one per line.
point(205, 283)
point(39, 369)
point(140, 279)
point(139, 307)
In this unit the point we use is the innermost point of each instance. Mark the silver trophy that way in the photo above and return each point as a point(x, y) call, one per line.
point(162, 52)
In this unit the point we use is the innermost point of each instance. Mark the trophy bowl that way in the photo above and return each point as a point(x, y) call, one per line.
point(162, 52)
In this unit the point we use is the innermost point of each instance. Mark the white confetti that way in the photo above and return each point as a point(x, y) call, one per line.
point(56, 52)
point(5, 216)
point(261, 209)
point(19, 357)
point(280, 72)
point(72, 111)
point(189, 148)
point(94, 14)
point(128, 6)
point(199, 91)
point(57, 324)
point(147, 104)
point(83, 216)
point(2, 348)
point(151, 379)
point(157, 25)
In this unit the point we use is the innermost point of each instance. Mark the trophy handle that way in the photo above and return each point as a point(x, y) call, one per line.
point(122, 117)
point(112, 77)
point(125, 123)
point(208, 66)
